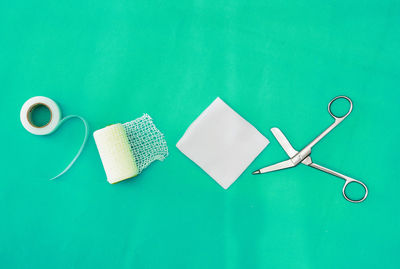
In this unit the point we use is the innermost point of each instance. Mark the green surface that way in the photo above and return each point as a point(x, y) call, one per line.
point(277, 63)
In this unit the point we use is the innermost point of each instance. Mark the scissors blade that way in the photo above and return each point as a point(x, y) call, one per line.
point(274, 167)
point(285, 144)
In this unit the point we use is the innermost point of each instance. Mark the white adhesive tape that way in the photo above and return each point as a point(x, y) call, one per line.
point(52, 125)
point(26, 115)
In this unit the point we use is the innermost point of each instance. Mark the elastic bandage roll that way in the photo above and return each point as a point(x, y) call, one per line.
point(127, 149)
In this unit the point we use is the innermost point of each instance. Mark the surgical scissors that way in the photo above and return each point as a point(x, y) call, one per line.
point(303, 156)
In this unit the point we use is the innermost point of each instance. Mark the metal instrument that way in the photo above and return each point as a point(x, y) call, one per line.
point(303, 156)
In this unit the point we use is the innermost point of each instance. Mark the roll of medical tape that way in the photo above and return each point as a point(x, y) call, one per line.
point(55, 121)
point(26, 115)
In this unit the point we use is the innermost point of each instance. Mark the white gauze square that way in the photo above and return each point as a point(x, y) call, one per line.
point(222, 143)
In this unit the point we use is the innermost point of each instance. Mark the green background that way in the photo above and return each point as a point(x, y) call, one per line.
point(277, 63)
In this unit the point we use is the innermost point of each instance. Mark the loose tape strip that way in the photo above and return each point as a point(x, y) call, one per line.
point(52, 125)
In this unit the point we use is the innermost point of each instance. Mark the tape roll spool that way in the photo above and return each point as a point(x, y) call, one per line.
point(55, 121)
point(26, 115)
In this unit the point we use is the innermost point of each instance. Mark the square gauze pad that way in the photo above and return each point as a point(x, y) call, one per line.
point(222, 143)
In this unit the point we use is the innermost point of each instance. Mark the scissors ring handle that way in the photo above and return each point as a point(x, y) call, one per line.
point(333, 100)
point(354, 181)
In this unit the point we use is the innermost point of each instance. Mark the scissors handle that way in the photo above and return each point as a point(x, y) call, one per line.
point(346, 178)
point(348, 112)
point(333, 125)
point(358, 182)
